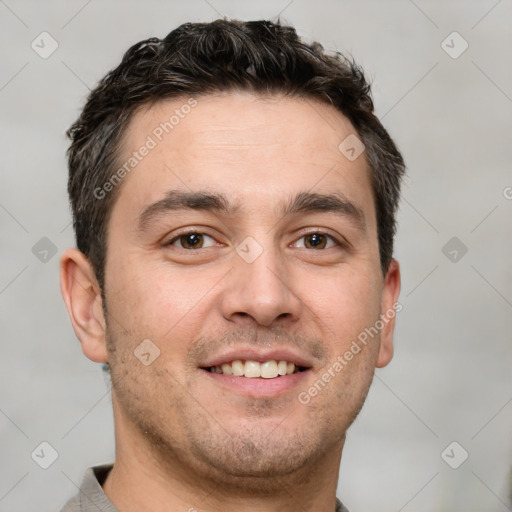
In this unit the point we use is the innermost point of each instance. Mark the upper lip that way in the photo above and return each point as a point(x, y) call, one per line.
point(253, 354)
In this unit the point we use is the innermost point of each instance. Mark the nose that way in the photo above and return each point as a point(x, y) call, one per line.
point(261, 290)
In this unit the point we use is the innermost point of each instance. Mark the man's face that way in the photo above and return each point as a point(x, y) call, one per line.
point(260, 276)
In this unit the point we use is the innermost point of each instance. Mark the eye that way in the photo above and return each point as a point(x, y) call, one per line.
point(316, 241)
point(192, 240)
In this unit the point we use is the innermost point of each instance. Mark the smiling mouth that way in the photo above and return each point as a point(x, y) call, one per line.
point(254, 369)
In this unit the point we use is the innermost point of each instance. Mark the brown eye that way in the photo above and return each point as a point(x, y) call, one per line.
point(316, 241)
point(191, 241)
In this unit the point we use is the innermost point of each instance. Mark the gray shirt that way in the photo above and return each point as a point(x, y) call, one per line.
point(91, 497)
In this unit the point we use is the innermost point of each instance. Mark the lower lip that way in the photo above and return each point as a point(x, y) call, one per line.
point(258, 387)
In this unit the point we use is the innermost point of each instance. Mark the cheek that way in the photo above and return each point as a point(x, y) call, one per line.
point(344, 304)
point(156, 302)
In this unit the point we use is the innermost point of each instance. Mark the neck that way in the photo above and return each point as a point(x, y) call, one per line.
point(140, 480)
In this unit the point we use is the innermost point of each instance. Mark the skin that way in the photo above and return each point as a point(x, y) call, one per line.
point(181, 440)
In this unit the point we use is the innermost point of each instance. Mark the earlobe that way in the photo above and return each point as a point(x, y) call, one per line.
point(390, 294)
point(82, 295)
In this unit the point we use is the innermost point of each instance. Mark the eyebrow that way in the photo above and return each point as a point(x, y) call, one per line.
point(177, 200)
point(331, 203)
point(218, 203)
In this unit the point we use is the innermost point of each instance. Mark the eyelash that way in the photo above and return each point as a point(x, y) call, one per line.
point(195, 232)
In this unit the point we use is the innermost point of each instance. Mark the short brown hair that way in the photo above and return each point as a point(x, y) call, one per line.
point(206, 58)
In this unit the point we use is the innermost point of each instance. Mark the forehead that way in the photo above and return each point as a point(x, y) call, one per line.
point(252, 148)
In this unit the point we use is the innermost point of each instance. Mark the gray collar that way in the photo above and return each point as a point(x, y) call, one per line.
point(91, 497)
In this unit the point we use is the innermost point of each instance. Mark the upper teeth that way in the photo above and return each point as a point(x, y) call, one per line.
point(253, 369)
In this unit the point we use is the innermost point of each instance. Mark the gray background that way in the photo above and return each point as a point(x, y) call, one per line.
point(450, 379)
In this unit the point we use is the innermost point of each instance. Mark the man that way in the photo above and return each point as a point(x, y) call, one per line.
point(234, 203)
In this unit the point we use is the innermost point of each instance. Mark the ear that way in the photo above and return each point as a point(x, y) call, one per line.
point(389, 309)
point(82, 296)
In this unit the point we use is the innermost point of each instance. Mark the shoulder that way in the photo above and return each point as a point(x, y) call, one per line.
point(90, 496)
point(73, 505)
point(339, 506)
